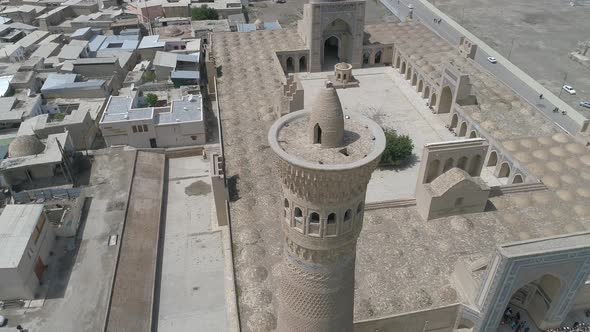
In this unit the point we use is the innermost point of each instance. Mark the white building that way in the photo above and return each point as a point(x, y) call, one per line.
point(179, 124)
point(26, 238)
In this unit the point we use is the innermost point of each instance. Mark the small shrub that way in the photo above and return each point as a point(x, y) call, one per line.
point(204, 13)
point(151, 99)
point(398, 148)
point(149, 76)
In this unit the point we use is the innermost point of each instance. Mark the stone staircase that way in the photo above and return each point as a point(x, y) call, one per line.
point(404, 202)
point(12, 304)
point(516, 188)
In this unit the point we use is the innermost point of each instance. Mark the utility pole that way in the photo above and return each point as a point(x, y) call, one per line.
point(562, 84)
point(511, 46)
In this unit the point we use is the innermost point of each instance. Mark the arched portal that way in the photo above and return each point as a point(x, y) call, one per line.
point(493, 159)
point(433, 170)
point(302, 64)
point(475, 165)
point(454, 121)
point(433, 100)
point(448, 164)
point(420, 85)
point(337, 44)
point(517, 179)
point(331, 51)
point(536, 298)
point(463, 129)
point(446, 99)
point(504, 171)
point(290, 66)
point(365, 58)
point(462, 163)
point(414, 79)
point(378, 57)
point(426, 92)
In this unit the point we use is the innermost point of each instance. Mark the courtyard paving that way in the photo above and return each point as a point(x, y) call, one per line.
point(192, 294)
point(387, 98)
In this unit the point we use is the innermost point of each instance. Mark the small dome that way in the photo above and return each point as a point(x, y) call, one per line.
point(326, 121)
point(26, 145)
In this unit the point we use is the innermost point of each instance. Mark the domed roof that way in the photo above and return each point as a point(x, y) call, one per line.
point(326, 121)
point(26, 145)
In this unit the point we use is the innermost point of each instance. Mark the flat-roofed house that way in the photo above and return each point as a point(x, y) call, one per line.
point(26, 240)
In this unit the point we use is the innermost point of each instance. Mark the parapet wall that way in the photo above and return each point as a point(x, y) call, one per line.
point(441, 319)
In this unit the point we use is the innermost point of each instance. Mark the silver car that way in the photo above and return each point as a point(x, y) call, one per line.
point(585, 103)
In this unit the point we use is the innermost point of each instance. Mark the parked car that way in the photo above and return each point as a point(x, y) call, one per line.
point(569, 89)
point(585, 103)
point(2, 321)
point(492, 59)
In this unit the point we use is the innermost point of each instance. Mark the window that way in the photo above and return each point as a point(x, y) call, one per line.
point(298, 219)
point(145, 128)
point(134, 128)
point(331, 224)
point(194, 138)
point(314, 223)
point(347, 224)
point(459, 201)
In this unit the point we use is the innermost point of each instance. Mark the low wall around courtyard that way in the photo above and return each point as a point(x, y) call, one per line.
point(442, 319)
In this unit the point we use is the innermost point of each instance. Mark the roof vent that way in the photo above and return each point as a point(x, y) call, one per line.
point(184, 108)
point(177, 120)
point(126, 116)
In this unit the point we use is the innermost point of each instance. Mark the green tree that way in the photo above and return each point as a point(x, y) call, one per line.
point(398, 148)
point(149, 76)
point(204, 13)
point(151, 99)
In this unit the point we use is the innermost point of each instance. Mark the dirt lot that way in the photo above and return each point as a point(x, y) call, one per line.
point(289, 12)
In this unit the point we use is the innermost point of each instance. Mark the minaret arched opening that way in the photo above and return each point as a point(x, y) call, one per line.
point(314, 223)
point(317, 134)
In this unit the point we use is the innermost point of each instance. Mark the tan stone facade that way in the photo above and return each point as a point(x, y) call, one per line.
point(323, 203)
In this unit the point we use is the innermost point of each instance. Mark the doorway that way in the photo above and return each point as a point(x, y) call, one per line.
point(153, 143)
point(331, 47)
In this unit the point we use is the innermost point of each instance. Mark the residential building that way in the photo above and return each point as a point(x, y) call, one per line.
point(68, 86)
point(33, 163)
point(27, 241)
point(126, 122)
point(165, 63)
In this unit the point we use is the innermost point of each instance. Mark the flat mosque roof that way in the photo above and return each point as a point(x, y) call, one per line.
point(17, 223)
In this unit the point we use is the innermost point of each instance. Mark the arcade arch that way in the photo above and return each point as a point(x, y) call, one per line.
point(446, 99)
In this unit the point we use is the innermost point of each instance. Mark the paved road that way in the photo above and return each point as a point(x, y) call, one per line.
point(503, 70)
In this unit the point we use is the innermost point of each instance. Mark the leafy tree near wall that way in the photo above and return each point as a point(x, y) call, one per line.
point(204, 13)
point(398, 148)
point(149, 76)
point(151, 99)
